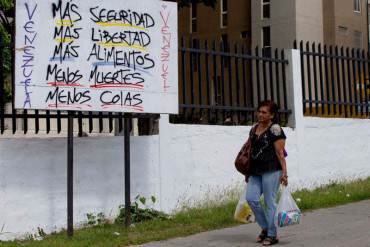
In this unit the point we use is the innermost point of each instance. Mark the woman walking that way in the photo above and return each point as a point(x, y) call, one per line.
point(267, 169)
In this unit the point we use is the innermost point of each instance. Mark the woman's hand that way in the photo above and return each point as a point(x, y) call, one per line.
point(279, 149)
point(284, 179)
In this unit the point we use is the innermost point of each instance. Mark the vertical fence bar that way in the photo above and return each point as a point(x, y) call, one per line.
point(12, 47)
point(345, 98)
point(183, 71)
point(100, 114)
point(349, 60)
point(222, 79)
point(277, 74)
point(208, 88)
point(359, 87)
point(59, 122)
point(327, 80)
point(47, 121)
point(321, 81)
point(2, 101)
point(120, 122)
point(200, 79)
point(238, 90)
point(91, 126)
point(231, 101)
point(70, 175)
point(367, 83)
point(363, 92)
point(110, 116)
point(37, 124)
point(258, 76)
point(309, 78)
point(272, 95)
point(314, 55)
point(192, 90)
point(332, 77)
point(303, 77)
point(25, 121)
point(284, 82)
point(79, 120)
point(127, 170)
point(14, 114)
point(264, 78)
point(244, 77)
point(251, 84)
point(215, 80)
point(354, 70)
point(339, 81)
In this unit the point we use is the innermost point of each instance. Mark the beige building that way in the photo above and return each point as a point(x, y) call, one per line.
point(229, 21)
point(346, 22)
point(277, 24)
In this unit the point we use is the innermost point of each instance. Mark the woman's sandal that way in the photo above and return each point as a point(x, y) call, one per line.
point(270, 241)
point(262, 236)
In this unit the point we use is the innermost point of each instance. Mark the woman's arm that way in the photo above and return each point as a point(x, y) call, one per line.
point(279, 149)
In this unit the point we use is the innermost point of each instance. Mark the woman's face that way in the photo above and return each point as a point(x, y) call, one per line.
point(264, 115)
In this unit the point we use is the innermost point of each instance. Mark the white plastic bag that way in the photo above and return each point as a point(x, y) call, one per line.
point(287, 211)
point(243, 212)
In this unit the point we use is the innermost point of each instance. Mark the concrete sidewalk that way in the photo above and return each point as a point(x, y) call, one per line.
point(347, 225)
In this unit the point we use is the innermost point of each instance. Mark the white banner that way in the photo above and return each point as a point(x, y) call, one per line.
point(97, 55)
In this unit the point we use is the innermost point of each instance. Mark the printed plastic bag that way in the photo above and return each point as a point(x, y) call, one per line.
point(243, 212)
point(287, 211)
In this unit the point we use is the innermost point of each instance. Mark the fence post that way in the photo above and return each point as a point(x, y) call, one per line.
point(294, 88)
point(2, 101)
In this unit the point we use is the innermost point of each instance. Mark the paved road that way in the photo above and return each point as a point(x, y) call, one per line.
point(343, 226)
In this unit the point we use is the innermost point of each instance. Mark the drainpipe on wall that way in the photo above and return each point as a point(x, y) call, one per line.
point(367, 25)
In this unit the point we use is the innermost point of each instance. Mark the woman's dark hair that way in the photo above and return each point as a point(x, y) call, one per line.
point(273, 109)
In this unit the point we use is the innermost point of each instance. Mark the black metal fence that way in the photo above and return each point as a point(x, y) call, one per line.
point(222, 84)
point(335, 81)
point(217, 85)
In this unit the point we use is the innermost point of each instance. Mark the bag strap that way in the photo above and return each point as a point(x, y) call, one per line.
point(253, 130)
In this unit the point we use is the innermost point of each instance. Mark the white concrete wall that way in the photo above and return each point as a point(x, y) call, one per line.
point(199, 159)
point(33, 180)
point(184, 165)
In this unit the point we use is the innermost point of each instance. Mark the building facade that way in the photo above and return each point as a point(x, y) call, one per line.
point(229, 21)
point(332, 22)
point(276, 24)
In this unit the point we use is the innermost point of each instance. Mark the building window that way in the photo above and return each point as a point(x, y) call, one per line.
point(193, 18)
point(357, 39)
point(342, 30)
point(265, 9)
point(357, 6)
point(245, 34)
point(224, 13)
point(266, 42)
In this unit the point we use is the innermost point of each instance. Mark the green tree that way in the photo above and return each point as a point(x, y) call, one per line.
point(6, 12)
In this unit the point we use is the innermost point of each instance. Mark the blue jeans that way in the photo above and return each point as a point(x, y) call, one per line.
point(268, 184)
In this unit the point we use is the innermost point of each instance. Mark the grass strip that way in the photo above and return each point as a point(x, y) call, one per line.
point(194, 220)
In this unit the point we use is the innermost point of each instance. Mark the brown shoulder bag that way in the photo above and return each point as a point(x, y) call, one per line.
point(242, 161)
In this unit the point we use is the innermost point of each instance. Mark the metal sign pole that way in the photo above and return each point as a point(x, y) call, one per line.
point(127, 169)
point(70, 175)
